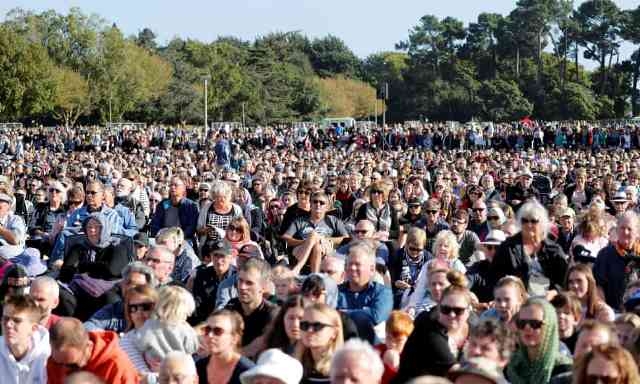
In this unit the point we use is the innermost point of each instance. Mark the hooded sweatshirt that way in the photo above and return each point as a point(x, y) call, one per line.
point(108, 361)
point(31, 369)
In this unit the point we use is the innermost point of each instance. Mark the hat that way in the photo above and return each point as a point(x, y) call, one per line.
point(141, 239)
point(279, 168)
point(16, 276)
point(494, 237)
point(497, 211)
point(4, 179)
point(432, 204)
point(620, 196)
point(220, 247)
point(30, 260)
point(479, 367)
point(6, 198)
point(275, 364)
point(567, 212)
point(206, 186)
point(525, 172)
point(414, 202)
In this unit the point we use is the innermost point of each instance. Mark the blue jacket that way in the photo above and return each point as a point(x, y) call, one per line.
point(375, 302)
point(187, 213)
point(108, 318)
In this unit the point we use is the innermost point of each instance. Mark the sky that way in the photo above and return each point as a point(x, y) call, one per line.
point(367, 26)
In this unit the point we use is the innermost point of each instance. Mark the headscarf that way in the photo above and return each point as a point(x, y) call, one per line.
point(105, 230)
point(521, 370)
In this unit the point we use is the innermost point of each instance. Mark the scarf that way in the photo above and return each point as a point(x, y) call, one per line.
point(380, 218)
point(521, 370)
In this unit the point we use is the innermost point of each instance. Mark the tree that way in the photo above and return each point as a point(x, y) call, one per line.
point(340, 97)
point(146, 39)
point(71, 98)
point(330, 56)
point(502, 100)
point(631, 32)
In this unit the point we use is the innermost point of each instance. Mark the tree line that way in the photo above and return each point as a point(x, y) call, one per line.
point(77, 68)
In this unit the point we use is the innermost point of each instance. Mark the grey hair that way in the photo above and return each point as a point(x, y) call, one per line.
point(362, 350)
point(162, 249)
point(49, 283)
point(630, 216)
point(174, 304)
point(220, 188)
point(182, 359)
point(429, 380)
point(534, 209)
point(142, 268)
point(365, 247)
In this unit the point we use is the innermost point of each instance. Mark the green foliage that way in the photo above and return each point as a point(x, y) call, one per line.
point(502, 100)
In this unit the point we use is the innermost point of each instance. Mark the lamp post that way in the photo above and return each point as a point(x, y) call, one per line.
point(206, 99)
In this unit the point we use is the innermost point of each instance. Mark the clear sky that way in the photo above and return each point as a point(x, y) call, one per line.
point(367, 26)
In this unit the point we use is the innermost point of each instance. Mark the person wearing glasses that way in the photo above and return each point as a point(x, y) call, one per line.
point(478, 222)
point(314, 236)
point(301, 208)
point(24, 345)
point(223, 343)
point(523, 190)
point(608, 364)
point(531, 255)
point(538, 358)
point(440, 334)
point(45, 216)
point(480, 273)
point(321, 336)
point(379, 212)
point(215, 217)
point(139, 302)
point(161, 260)
point(406, 266)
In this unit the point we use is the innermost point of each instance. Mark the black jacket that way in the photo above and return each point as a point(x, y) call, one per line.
point(510, 259)
point(588, 192)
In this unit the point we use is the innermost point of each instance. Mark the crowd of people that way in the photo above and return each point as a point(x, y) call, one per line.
point(422, 253)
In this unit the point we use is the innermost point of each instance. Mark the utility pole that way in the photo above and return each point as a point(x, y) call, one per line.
point(206, 99)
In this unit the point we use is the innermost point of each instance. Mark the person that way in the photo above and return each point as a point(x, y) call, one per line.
point(569, 311)
point(161, 260)
point(480, 274)
point(397, 331)
point(314, 235)
point(333, 267)
point(216, 216)
point(607, 364)
point(167, 329)
point(237, 234)
point(46, 293)
point(74, 349)
point(255, 310)
point(273, 367)
point(321, 337)
point(223, 341)
point(591, 237)
point(477, 370)
point(379, 212)
point(176, 211)
point(478, 222)
point(440, 334)
point(367, 302)
point(227, 288)
point(365, 230)
point(523, 190)
point(24, 344)
point(626, 325)
point(405, 267)
point(284, 331)
point(125, 200)
point(433, 223)
point(178, 368)
point(301, 208)
point(537, 358)
point(45, 217)
point(615, 265)
point(510, 294)
point(530, 255)
point(492, 340)
point(594, 333)
point(139, 303)
point(566, 229)
point(357, 363)
point(185, 260)
point(468, 241)
point(581, 282)
point(141, 245)
point(579, 194)
point(13, 230)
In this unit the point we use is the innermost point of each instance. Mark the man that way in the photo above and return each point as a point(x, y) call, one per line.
point(125, 198)
point(620, 203)
point(46, 293)
point(111, 316)
point(333, 267)
point(479, 224)
point(618, 263)
point(24, 346)
point(74, 349)
point(178, 368)
point(94, 197)
point(128, 219)
point(492, 340)
point(256, 311)
point(365, 230)
point(203, 194)
point(367, 303)
point(467, 240)
point(433, 222)
point(522, 191)
point(356, 362)
point(479, 274)
point(566, 229)
point(176, 211)
point(141, 244)
point(315, 235)
point(489, 188)
point(13, 230)
point(227, 289)
point(161, 260)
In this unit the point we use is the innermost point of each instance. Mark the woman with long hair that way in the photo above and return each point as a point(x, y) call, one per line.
point(580, 281)
point(237, 234)
point(321, 337)
point(284, 332)
point(606, 364)
point(509, 295)
point(537, 358)
point(592, 235)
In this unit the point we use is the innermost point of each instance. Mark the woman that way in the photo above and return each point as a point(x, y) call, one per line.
point(222, 341)
point(579, 194)
point(530, 255)
point(592, 236)
point(606, 364)
point(301, 208)
point(509, 294)
point(379, 212)
point(215, 216)
point(139, 302)
point(581, 282)
point(407, 264)
point(439, 334)
point(537, 359)
point(397, 330)
point(237, 234)
point(284, 332)
point(321, 337)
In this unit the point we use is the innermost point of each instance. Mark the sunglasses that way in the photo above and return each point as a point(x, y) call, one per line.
point(360, 231)
point(75, 202)
point(308, 326)
point(415, 249)
point(529, 221)
point(319, 202)
point(478, 209)
point(534, 324)
point(53, 190)
point(376, 192)
point(491, 218)
point(432, 211)
point(447, 310)
point(598, 379)
point(144, 307)
point(203, 190)
point(213, 331)
point(304, 192)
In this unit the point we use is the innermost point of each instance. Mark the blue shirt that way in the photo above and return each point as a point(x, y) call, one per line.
point(375, 302)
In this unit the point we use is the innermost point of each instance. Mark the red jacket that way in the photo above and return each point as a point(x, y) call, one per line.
point(107, 361)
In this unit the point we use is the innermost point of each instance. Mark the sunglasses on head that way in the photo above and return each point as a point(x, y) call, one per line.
point(212, 331)
point(526, 220)
point(534, 324)
point(447, 310)
point(308, 326)
point(145, 307)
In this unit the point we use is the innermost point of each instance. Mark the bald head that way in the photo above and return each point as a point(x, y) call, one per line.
point(68, 332)
point(178, 367)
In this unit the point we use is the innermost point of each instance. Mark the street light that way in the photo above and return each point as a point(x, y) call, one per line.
point(206, 107)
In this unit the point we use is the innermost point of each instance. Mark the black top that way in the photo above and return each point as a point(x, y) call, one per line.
point(242, 365)
point(205, 286)
point(481, 280)
point(99, 263)
point(255, 323)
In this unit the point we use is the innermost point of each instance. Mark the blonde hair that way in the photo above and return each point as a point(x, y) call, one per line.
point(417, 235)
point(303, 354)
point(173, 233)
point(174, 305)
point(448, 237)
point(280, 272)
